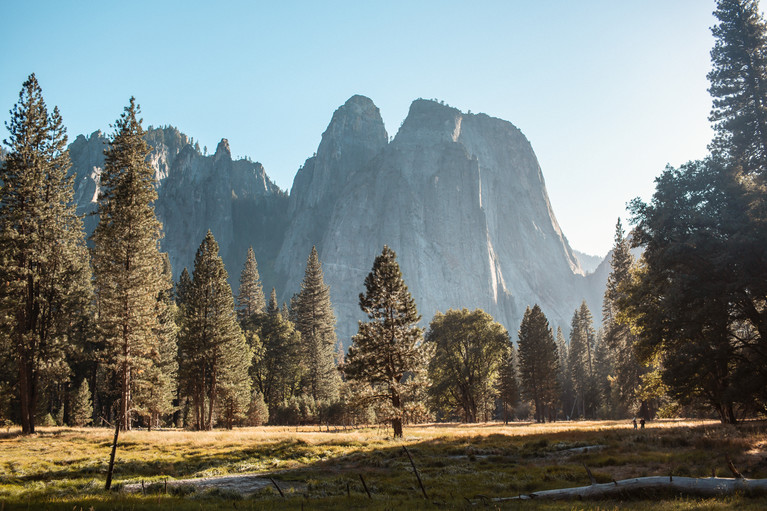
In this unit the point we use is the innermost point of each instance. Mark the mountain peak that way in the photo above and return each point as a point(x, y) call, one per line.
point(222, 150)
point(430, 119)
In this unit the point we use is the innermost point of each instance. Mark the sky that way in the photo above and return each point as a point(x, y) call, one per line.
point(607, 92)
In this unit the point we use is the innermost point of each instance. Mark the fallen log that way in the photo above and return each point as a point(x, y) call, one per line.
point(702, 487)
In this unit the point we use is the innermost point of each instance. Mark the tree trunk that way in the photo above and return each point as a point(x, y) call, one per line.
point(27, 404)
point(209, 425)
point(396, 422)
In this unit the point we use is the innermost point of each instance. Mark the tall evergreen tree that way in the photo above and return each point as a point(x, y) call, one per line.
point(564, 378)
point(82, 407)
point(276, 371)
point(386, 347)
point(507, 384)
point(183, 288)
point(315, 320)
point(155, 397)
point(538, 363)
point(44, 263)
point(581, 361)
point(213, 356)
point(250, 299)
point(739, 85)
point(127, 261)
point(618, 337)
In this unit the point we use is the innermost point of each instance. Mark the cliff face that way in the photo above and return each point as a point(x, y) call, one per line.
point(236, 200)
point(459, 197)
point(462, 201)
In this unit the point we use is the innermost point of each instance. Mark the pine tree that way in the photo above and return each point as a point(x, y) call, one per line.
point(127, 261)
point(82, 407)
point(276, 371)
point(581, 361)
point(250, 299)
point(564, 378)
point(44, 268)
point(315, 320)
point(213, 356)
point(183, 288)
point(155, 396)
point(618, 337)
point(387, 346)
point(538, 363)
point(739, 85)
point(507, 385)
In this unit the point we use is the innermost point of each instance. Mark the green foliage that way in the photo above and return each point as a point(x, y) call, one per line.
point(468, 349)
point(617, 336)
point(507, 384)
point(82, 406)
point(386, 346)
point(681, 298)
point(213, 356)
point(46, 292)
point(128, 265)
point(314, 319)
point(250, 299)
point(276, 370)
point(739, 85)
point(538, 363)
point(581, 361)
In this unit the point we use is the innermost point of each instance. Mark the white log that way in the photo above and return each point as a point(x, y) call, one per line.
point(706, 487)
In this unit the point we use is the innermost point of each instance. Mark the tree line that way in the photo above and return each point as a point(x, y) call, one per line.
point(104, 335)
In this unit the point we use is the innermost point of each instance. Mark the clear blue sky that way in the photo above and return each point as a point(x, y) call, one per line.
point(608, 92)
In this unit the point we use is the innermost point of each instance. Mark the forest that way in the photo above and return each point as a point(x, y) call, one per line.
point(96, 332)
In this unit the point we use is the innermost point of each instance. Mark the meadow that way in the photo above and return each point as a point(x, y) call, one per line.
point(461, 466)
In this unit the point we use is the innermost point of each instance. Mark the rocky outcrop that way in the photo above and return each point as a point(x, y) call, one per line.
point(462, 200)
point(355, 135)
point(236, 200)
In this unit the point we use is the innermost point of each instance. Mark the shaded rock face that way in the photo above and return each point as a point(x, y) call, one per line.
point(355, 135)
point(462, 201)
point(236, 200)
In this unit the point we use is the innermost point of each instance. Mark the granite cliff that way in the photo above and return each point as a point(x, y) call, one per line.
point(460, 198)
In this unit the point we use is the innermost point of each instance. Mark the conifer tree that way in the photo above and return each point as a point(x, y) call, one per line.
point(564, 378)
point(250, 299)
point(581, 361)
point(386, 346)
point(46, 290)
point(127, 261)
point(315, 320)
point(82, 407)
point(183, 288)
point(213, 356)
point(739, 85)
point(276, 371)
point(618, 337)
point(507, 385)
point(538, 363)
point(154, 398)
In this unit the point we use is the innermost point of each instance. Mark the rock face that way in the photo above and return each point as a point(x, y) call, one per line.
point(236, 200)
point(459, 197)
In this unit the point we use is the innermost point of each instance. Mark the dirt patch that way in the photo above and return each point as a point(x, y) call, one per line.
point(244, 484)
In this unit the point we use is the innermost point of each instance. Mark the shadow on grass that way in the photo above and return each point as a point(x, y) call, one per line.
point(455, 467)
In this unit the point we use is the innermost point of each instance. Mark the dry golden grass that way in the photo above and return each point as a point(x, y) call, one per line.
point(59, 468)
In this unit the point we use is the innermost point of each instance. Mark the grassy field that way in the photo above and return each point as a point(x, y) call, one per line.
point(64, 468)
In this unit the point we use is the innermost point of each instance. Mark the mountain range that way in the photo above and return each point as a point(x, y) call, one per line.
point(460, 197)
